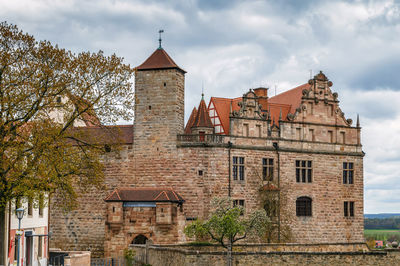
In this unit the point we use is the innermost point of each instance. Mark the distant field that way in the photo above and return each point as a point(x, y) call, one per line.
point(381, 234)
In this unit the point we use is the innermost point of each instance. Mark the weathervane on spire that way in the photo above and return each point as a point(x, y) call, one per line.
point(202, 90)
point(159, 39)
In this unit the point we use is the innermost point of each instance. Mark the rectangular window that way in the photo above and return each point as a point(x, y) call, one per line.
point(238, 168)
point(246, 130)
point(202, 136)
point(41, 204)
point(239, 203)
point(330, 136)
point(348, 208)
point(348, 173)
point(40, 247)
point(258, 130)
point(268, 169)
point(342, 137)
point(311, 135)
point(330, 110)
point(30, 206)
point(303, 171)
point(298, 133)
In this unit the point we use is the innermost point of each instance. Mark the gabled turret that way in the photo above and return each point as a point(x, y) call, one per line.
point(202, 122)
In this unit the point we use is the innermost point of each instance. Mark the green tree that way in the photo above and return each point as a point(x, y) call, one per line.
point(44, 92)
point(227, 225)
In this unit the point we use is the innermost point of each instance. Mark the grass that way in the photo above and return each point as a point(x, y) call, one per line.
point(381, 234)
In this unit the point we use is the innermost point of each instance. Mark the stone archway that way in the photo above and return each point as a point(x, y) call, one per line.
point(139, 239)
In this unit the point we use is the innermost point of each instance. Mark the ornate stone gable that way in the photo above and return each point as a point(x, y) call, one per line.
point(250, 107)
point(319, 99)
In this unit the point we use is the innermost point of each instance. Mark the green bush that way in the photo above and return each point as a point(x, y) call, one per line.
point(129, 256)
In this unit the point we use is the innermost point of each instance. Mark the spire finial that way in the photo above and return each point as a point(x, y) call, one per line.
point(358, 121)
point(202, 90)
point(159, 39)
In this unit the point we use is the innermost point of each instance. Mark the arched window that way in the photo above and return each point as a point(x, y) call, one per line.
point(140, 239)
point(303, 206)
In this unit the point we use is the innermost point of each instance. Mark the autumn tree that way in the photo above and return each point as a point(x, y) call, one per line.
point(227, 225)
point(44, 92)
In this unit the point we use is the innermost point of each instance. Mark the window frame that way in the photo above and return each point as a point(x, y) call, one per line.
point(304, 171)
point(304, 210)
point(348, 209)
point(239, 203)
point(41, 204)
point(30, 206)
point(238, 173)
point(348, 173)
point(268, 169)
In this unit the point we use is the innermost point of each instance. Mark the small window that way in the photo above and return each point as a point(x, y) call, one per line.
point(259, 133)
point(268, 169)
point(311, 135)
point(30, 206)
point(165, 84)
point(40, 247)
point(303, 171)
point(246, 130)
point(200, 172)
point(238, 168)
point(107, 148)
point(58, 99)
point(348, 208)
point(298, 133)
point(149, 107)
point(41, 204)
point(202, 135)
point(343, 137)
point(304, 206)
point(239, 203)
point(113, 209)
point(330, 136)
point(330, 110)
point(348, 173)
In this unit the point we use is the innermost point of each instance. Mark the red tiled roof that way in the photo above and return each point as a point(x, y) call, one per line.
point(119, 134)
point(202, 116)
point(147, 194)
point(159, 60)
point(269, 187)
point(275, 109)
point(189, 124)
point(291, 97)
point(222, 107)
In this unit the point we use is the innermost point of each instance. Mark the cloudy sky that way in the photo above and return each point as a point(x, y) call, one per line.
point(230, 46)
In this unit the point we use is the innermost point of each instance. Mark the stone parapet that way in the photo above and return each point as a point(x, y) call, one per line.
point(183, 255)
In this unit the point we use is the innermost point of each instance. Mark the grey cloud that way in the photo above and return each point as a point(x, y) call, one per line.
point(384, 74)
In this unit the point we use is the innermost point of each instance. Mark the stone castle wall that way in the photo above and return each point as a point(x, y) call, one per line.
point(293, 254)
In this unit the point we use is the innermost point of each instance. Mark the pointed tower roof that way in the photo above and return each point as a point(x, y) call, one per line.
point(188, 128)
point(159, 60)
point(202, 117)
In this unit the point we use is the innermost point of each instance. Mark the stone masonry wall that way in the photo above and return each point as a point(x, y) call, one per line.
point(181, 257)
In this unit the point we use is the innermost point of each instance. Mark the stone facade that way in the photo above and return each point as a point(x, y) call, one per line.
point(311, 127)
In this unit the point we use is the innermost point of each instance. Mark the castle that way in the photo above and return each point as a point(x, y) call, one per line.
point(294, 154)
